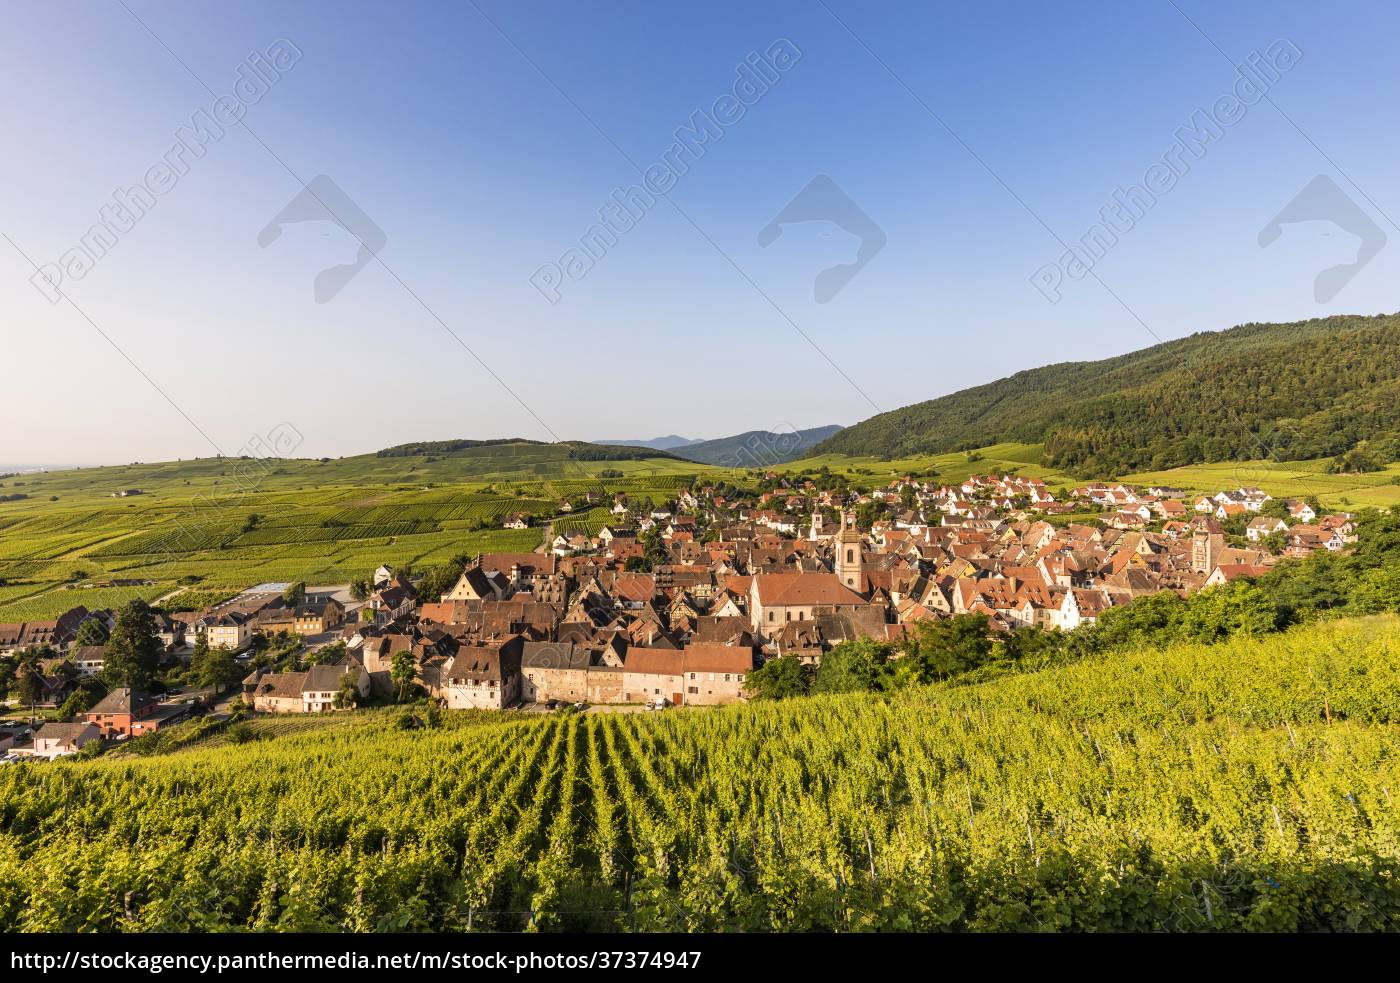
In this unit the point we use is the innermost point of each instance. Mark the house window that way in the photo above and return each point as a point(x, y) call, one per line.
point(726, 677)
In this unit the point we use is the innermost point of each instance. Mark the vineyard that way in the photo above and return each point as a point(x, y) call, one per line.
point(224, 524)
point(1241, 787)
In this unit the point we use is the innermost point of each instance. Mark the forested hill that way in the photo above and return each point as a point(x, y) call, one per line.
point(1298, 391)
point(755, 448)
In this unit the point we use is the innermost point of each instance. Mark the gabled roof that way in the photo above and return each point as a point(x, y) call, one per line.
point(654, 661)
point(716, 658)
point(555, 655)
point(807, 589)
point(124, 700)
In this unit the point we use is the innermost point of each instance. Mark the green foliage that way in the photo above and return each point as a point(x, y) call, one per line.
point(79, 701)
point(1288, 392)
point(91, 632)
point(239, 733)
point(134, 648)
point(402, 672)
point(441, 579)
point(779, 678)
point(852, 667)
point(1186, 788)
point(348, 696)
point(219, 669)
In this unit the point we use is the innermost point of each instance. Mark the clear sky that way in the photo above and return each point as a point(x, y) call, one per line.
point(483, 138)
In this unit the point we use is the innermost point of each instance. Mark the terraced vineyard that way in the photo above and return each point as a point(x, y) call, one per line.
point(1245, 786)
point(231, 523)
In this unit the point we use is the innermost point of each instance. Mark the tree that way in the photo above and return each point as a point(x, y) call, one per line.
point(441, 579)
point(946, 647)
point(852, 667)
point(403, 671)
point(780, 678)
point(295, 594)
point(133, 650)
point(91, 632)
point(1236, 608)
point(348, 696)
point(219, 669)
point(328, 654)
point(1377, 590)
point(30, 689)
point(653, 549)
point(79, 701)
point(360, 588)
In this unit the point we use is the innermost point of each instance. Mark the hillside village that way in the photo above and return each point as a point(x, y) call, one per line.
point(676, 604)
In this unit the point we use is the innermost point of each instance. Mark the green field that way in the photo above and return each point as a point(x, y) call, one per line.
point(328, 522)
point(322, 522)
point(1245, 786)
point(1290, 479)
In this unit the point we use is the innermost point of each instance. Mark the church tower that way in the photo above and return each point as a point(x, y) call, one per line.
point(848, 558)
point(1207, 546)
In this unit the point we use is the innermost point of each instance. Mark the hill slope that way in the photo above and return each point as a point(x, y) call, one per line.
point(1237, 787)
point(1287, 391)
point(666, 443)
point(756, 448)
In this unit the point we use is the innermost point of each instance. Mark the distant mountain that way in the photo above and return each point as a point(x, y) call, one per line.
point(577, 450)
point(667, 443)
point(756, 448)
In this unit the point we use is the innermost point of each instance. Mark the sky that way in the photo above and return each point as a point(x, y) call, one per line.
point(940, 160)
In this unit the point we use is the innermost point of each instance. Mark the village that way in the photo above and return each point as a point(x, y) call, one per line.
point(673, 605)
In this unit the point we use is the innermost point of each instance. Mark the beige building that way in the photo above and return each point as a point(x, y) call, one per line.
point(714, 674)
point(554, 671)
point(650, 674)
point(777, 598)
point(55, 740)
point(313, 691)
point(605, 684)
point(229, 631)
point(484, 675)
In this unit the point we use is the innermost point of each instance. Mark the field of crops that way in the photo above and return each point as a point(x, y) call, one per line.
point(55, 601)
point(1241, 787)
point(233, 523)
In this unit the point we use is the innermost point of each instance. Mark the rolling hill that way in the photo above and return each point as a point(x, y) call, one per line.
point(756, 448)
point(1298, 391)
point(666, 443)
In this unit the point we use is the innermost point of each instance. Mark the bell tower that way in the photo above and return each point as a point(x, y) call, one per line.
point(1207, 545)
point(848, 558)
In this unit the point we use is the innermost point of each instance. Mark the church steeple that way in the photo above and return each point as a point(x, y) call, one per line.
point(848, 553)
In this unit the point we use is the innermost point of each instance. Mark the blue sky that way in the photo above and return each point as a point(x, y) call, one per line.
point(482, 139)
